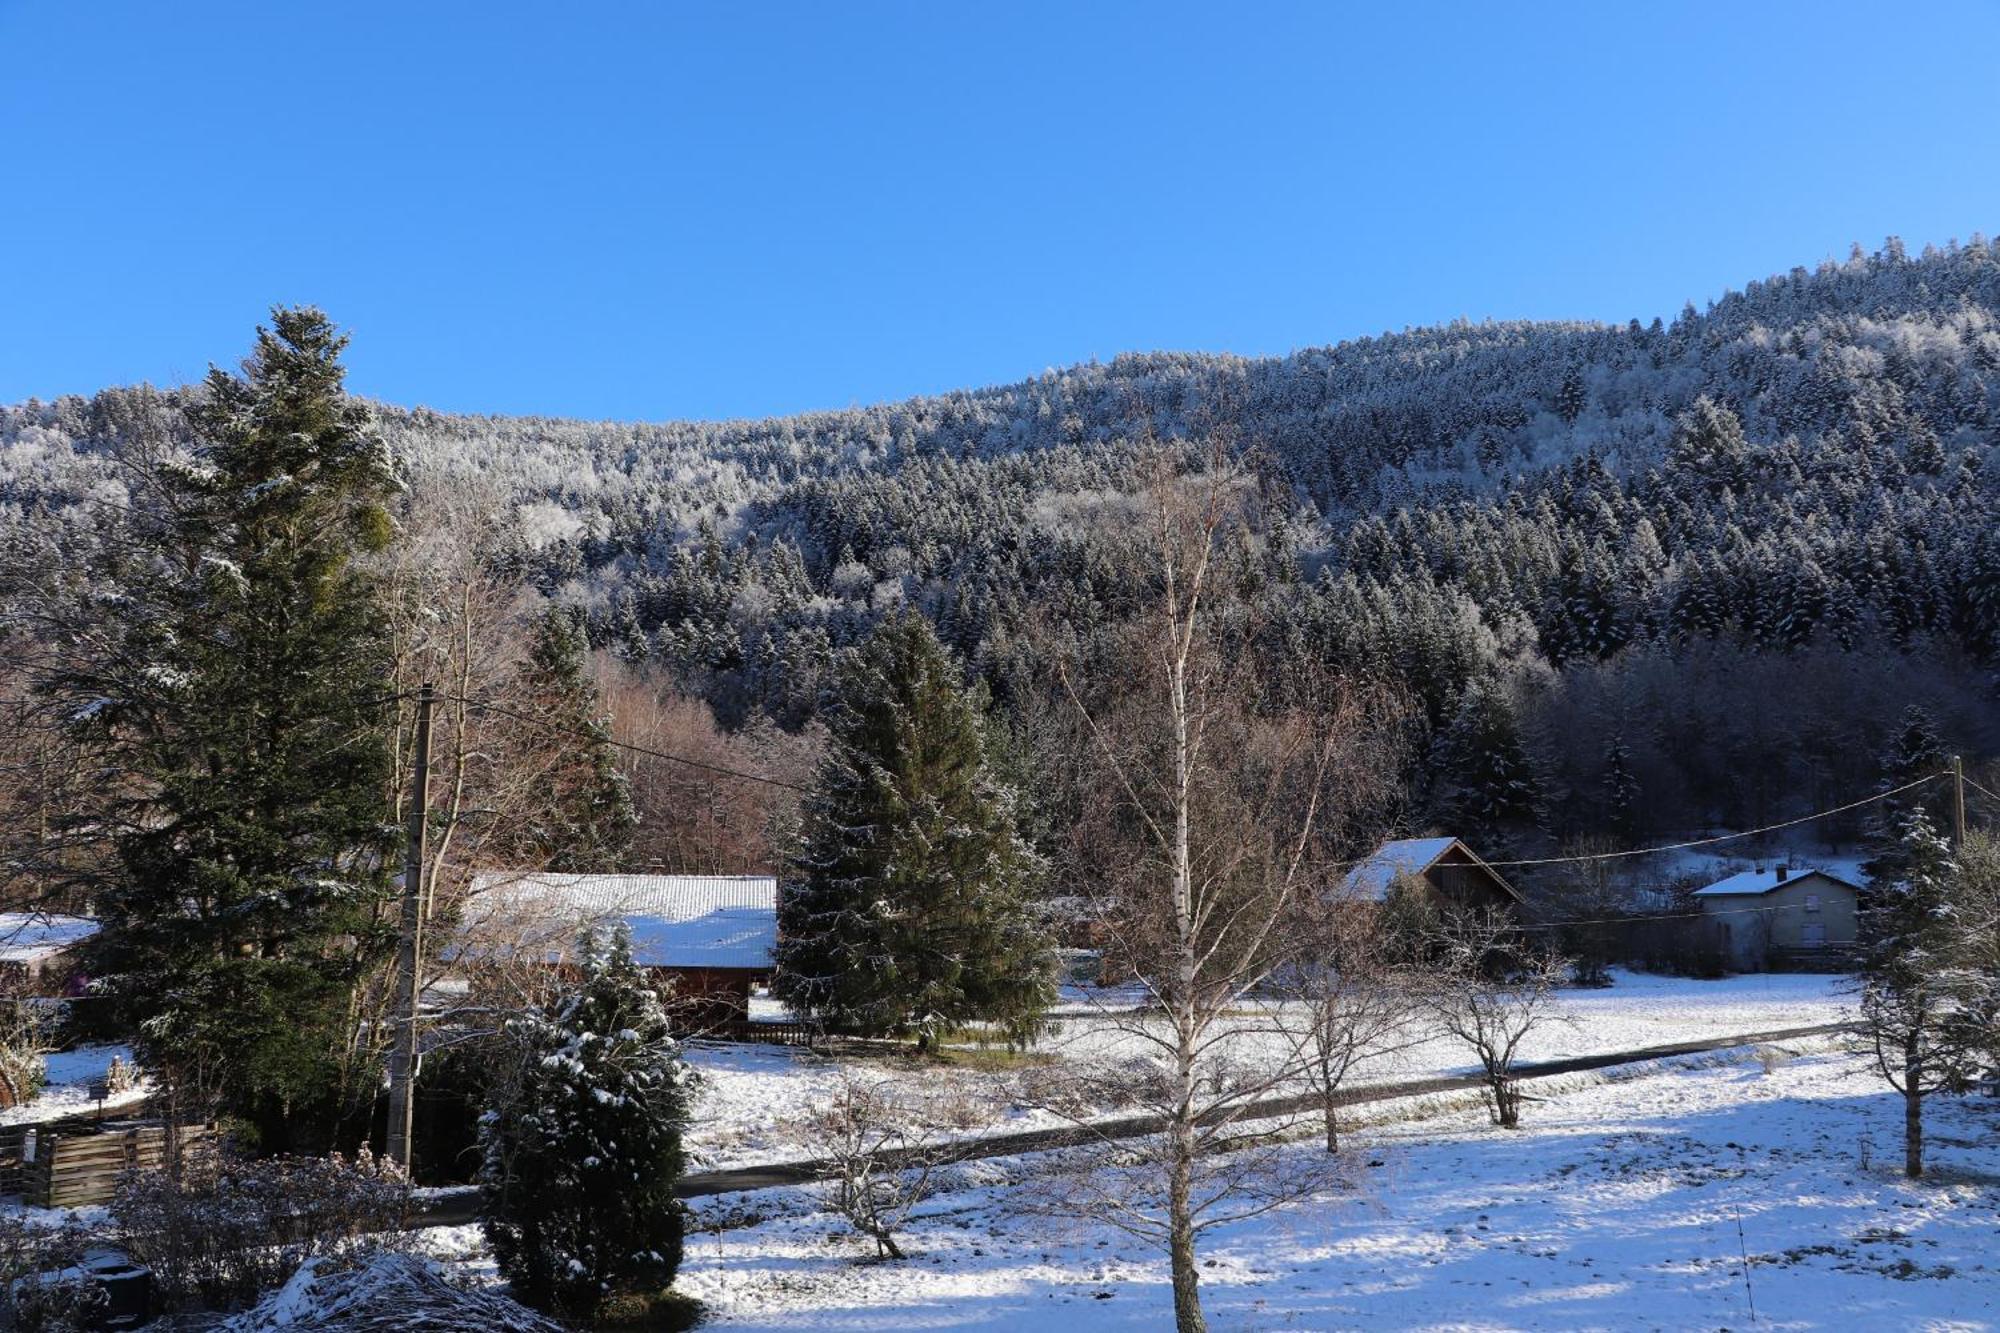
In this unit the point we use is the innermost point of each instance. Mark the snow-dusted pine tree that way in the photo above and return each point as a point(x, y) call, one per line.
point(1487, 783)
point(907, 908)
point(1915, 751)
point(1621, 785)
point(583, 1144)
point(1929, 992)
point(231, 691)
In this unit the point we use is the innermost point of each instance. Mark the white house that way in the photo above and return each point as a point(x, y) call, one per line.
point(1794, 914)
point(35, 948)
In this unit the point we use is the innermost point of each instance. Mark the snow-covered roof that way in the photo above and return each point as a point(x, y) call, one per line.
point(33, 937)
point(726, 921)
point(1373, 878)
point(1763, 881)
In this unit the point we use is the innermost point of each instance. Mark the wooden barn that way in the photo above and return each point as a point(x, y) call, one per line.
point(1444, 869)
point(711, 935)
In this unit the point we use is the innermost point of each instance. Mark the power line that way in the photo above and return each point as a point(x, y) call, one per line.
point(599, 738)
point(1640, 918)
point(1573, 859)
point(1725, 837)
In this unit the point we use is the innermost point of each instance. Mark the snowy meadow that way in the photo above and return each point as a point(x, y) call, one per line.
point(753, 1096)
point(1617, 1206)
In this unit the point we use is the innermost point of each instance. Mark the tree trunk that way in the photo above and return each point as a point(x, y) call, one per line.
point(1506, 1111)
point(1180, 1186)
point(1332, 1125)
point(1180, 1248)
point(1913, 1108)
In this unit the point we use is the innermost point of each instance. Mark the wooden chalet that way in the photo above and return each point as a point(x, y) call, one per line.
point(1443, 869)
point(711, 936)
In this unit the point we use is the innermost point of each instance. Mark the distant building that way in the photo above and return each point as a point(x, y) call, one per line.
point(712, 935)
point(37, 951)
point(1788, 916)
point(1444, 869)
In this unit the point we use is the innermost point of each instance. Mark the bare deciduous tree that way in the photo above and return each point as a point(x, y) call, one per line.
point(1347, 1000)
point(882, 1147)
point(695, 820)
point(1586, 904)
point(1490, 988)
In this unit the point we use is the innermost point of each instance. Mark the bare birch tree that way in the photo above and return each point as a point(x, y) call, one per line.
point(1199, 840)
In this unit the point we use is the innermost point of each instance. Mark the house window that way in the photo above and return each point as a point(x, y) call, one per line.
point(1815, 934)
point(1812, 902)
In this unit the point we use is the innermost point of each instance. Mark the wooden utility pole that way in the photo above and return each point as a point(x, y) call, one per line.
point(1958, 803)
point(410, 942)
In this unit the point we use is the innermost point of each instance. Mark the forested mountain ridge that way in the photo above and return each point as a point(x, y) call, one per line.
point(1634, 576)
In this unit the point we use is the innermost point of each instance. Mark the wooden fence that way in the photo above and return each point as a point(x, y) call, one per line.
point(765, 1034)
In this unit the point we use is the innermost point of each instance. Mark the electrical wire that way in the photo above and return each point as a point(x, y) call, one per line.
point(1725, 837)
point(599, 738)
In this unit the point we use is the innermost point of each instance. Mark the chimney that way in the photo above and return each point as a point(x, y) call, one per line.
point(1784, 869)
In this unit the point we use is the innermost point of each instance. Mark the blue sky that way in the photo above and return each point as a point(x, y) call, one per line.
point(654, 210)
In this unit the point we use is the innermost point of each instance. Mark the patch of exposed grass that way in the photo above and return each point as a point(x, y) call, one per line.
point(992, 1057)
point(989, 1057)
point(666, 1311)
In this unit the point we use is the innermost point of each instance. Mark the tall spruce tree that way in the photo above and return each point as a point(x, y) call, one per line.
point(907, 909)
point(1487, 785)
point(1915, 751)
point(234, 688)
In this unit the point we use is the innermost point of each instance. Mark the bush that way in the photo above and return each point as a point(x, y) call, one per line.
point(583, 1143)
point(27, 1034)
point(41, 1290)
point(1680, 946)
point(884, 1153)
point(224, 1232)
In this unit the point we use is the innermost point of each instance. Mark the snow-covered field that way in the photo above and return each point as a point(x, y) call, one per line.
point(1616, 1207)
point(752, 1094)
point(67, 1090)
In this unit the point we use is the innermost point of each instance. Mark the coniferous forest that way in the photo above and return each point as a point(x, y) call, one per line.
point(1631, 580)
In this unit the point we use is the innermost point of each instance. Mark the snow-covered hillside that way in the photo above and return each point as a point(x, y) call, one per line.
point(1702, 568)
